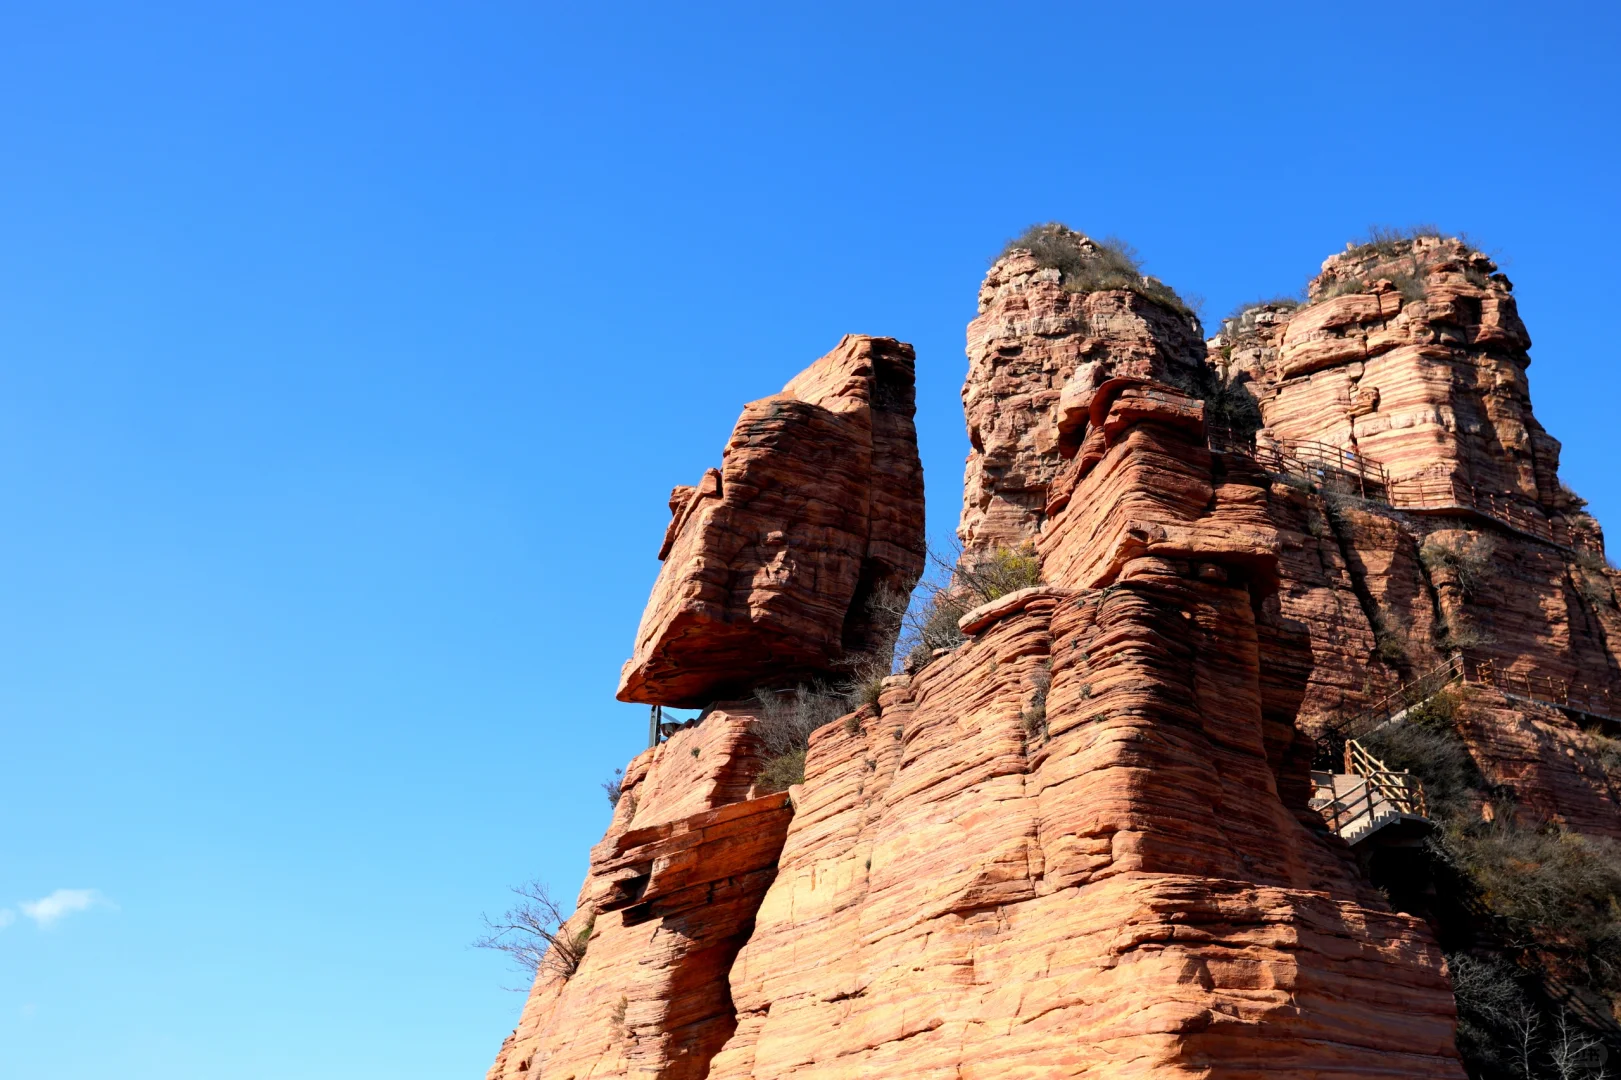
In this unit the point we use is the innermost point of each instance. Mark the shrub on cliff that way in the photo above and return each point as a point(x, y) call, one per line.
point(783, 771)
point(786, 719)
point(1428, 745)
point(611, 787)
point(960, 584)
point(1546, 900)
point(1466, 559)
point(1236, 315)
point(533, 933)
point(1228, 405)
point(996, 573)
point(1087, 265)
point(1390, 240)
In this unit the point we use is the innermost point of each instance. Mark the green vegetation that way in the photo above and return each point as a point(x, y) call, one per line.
point(783, 771)
point(1087, 265)
point(963, 584)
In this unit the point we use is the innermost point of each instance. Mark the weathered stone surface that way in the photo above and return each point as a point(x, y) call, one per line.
point(1421, 365)
point(1036, 350)
point(1079, 844)
point(1412, 354)
point(1113, 888)
point(670, 897)
point(1540, 756)
point(770, 561)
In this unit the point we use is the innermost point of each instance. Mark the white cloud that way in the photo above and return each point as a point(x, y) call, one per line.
point(7, 917)
point(47, 910)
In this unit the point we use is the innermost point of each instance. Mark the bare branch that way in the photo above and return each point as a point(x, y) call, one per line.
point(534, 935)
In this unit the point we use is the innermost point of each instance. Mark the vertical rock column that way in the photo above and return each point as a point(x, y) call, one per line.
point(1035, 334)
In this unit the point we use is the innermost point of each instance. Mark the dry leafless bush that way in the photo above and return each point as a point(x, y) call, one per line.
point(1468, 559)
point(956, 584)
point(533, 935)
point(1087, 265)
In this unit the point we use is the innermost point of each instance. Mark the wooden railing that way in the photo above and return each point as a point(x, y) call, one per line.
point(1398, 787)
point(1377, 795)
point(1331, 744)
point(1322, 463)
point(1434, 490)
point(1593, 700)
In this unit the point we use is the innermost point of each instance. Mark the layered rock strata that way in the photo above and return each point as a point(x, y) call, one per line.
point(1033, 338)
point(772, 561)
point(670, 898)
point(1080, 844)
point(1065, 849)
point(1411, 356)
point(1413, 352)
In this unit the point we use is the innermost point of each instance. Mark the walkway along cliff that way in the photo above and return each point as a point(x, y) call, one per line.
point(1165, 810)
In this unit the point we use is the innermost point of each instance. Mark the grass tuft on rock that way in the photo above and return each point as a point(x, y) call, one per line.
point(1086, 265)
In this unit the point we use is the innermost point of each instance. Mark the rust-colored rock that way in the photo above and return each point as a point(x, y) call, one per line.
point(670, 898)
point(1080, 843)
point(1037, 348)
point(770, 561)
point(1065, 849)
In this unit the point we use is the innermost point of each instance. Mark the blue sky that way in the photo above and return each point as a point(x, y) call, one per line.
point(348, 353)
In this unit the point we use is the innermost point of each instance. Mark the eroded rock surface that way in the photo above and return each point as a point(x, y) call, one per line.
point(670, 898)
point(1080, 844)
point(1033, 349)
point(771, 560)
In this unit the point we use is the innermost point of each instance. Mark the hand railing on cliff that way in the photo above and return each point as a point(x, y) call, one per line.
point(1594, 701)
point(1434, 490)
point(1437, 490)
point(1322, 463)
point(1597, 702)
point(1376, 796)
point(1331, 744)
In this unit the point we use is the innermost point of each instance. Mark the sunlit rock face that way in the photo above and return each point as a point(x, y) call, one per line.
point(1035, 345)
point(1079, 844)
point(771, 562)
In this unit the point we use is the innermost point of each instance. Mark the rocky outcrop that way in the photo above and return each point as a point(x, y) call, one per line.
point(1034, 341)
point(1410, 356)
point(1065, 848)
point(1413, 352)
point(771, 561)
point(670, 898)
point(1080, 843)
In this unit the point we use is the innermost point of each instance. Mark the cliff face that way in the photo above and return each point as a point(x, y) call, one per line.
point(771, 561)
point(1064, 849)
point(1410, 358)
point(1034, 337)
point(1083, 842)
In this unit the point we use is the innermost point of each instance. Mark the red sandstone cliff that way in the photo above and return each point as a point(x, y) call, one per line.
point(770, 561)
point(1080, 844)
